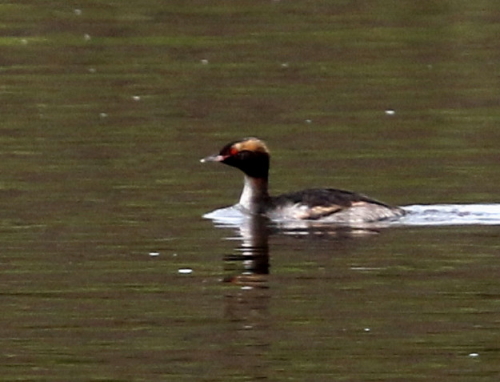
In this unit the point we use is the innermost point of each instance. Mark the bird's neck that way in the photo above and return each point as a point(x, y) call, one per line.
point(255, 196)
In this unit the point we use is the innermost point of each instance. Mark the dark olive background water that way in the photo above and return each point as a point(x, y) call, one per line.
point(107, 107)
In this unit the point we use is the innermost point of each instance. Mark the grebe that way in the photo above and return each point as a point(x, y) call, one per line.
point(251, 156)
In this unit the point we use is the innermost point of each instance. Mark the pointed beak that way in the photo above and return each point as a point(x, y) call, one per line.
point(213, 158)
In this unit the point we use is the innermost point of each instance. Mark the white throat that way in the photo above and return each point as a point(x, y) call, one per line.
point(254, 196)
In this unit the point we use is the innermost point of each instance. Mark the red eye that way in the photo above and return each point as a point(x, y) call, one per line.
point(233, 151)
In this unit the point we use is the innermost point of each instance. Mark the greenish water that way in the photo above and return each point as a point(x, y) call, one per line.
point(107, 109)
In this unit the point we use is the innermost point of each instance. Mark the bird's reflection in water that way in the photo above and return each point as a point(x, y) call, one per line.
point(249, 264)
point(253, 328)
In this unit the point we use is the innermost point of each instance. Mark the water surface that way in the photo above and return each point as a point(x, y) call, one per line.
point(109, 271)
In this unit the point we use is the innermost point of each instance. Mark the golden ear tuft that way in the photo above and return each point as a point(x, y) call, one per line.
point(252, 144)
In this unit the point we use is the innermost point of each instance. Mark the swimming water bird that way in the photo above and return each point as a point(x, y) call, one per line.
point(327, 205)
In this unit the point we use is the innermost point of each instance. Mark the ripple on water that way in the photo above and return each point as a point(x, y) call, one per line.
point(417, 215)
point(452, 214)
